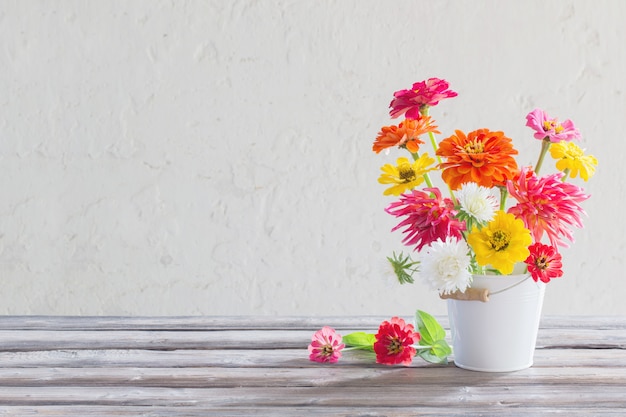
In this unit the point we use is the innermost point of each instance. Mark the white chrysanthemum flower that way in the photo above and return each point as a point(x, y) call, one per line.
point(445, 265)
point(477, 202)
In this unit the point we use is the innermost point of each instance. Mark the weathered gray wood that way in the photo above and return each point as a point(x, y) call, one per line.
point(83, 323)
point(211, 377)
point(12, 340)
point(279, 358)
point(477, 397)
point(241, 366)
point(313, 411)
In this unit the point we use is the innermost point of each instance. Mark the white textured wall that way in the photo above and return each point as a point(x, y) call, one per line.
point(214, 157)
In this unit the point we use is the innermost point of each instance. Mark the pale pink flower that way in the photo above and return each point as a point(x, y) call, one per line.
point(427, 217)
point(547, 204)
point(423, 93)
point(544, 127)
point(325, 345)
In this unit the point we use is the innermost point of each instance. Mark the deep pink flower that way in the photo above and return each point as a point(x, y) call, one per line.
point(393, 342)
point(427, 218)
point(546, 204)
point(544, 262)
point(325, 346)
point(423, 93)
point(544, 127)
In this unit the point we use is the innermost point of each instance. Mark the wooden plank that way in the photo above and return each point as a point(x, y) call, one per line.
point(11, 340)
point(313, 411)
point(184, 323)
point(278, 358)
point(387, 377)
point(477, 397)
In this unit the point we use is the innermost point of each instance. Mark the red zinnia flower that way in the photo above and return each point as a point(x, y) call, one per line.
point(393, 342)
point(427, 218)
point(547, 204)
point(424, 93)
point(544, 262)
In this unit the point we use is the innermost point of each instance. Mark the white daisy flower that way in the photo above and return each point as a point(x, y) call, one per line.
point(477, 202)
point(445, 265)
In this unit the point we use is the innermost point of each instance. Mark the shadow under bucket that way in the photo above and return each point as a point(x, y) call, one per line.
point(498, 335)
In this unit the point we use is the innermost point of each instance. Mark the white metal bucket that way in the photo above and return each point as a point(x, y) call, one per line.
point(499, 335)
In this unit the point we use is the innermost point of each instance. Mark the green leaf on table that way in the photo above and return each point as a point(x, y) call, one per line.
point(438, 352)
point(429, 328)
point(360, 340)
point(433, 336)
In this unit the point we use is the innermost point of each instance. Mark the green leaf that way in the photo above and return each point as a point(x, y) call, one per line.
point(430, 330)
point(438, 353)
point(403, 267)
point(432, 336)
point(360, 340)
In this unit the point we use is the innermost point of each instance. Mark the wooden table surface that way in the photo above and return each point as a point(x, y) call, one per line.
point(245, 366)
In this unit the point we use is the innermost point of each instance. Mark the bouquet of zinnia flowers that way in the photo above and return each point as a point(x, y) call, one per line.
point(496, 215)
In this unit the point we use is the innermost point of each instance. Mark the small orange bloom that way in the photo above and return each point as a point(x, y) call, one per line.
point(405, 135)
point(482, 157)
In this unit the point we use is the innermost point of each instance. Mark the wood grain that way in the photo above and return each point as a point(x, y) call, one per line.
point(238, 366)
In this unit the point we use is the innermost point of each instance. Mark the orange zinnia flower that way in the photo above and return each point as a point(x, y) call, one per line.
point(483, 157)
point(406, 134)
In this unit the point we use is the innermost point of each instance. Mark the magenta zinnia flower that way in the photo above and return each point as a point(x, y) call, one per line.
point(546, 204)
point(545, 127)
point(394, 342)
point(423, 93)
point(427, 218)
point(544, 262)
point(325, 346)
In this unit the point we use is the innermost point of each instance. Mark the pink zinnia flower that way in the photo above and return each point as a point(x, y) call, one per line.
point(544, 127)
point(546, 204)
point(393, 342)
point(544, 262)
point(325, 346)
point(424, 93)
point(427, 218)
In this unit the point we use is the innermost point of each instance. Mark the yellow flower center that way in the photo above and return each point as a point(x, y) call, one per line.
point(406, 173)
point(327, 350)
point(395, 346)
point(573, 152)
point(499, 240)
point(541, 262)
point(552, 124)
point(474, 146)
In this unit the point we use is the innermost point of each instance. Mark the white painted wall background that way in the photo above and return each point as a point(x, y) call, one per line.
point(213, 157)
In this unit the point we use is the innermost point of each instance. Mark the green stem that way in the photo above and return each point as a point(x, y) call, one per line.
point(565, 174)
point(545, 145)
point(504, 193)
point(433, 142)
point(347, 348)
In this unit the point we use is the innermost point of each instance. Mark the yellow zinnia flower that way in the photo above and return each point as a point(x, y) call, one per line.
point(406, 175)
point(570, 157)
point(501, 243)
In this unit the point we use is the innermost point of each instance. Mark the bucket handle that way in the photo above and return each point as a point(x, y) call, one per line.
point(478, 294)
